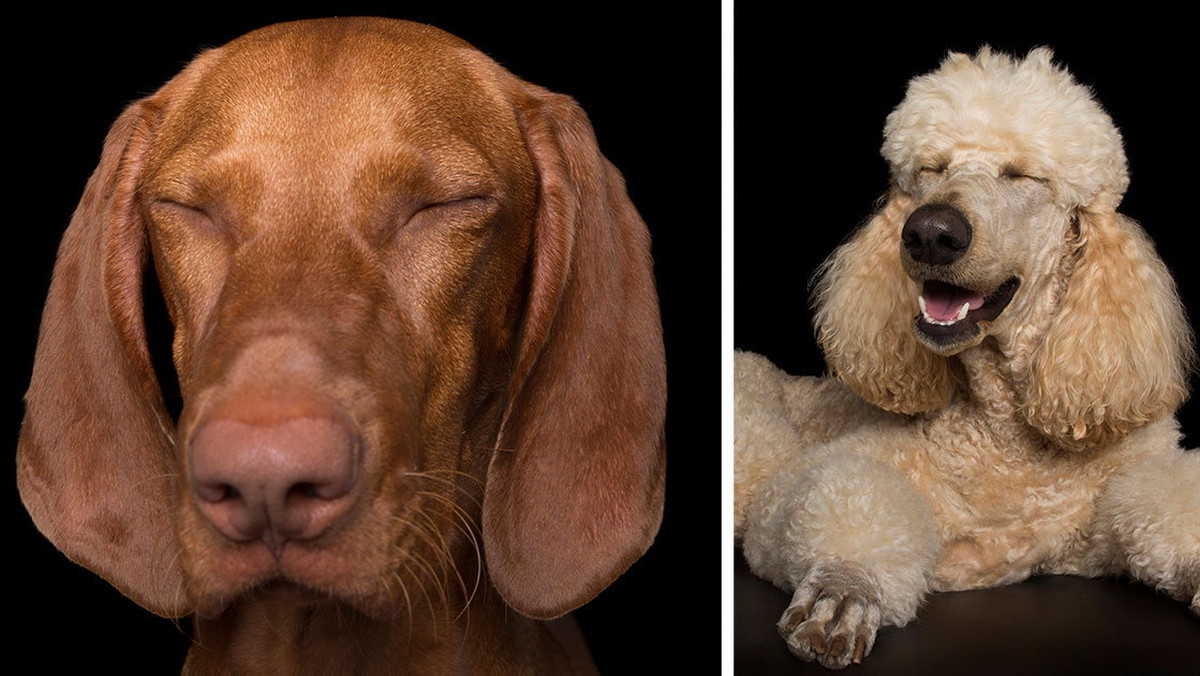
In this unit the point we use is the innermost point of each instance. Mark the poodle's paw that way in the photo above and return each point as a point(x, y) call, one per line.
point(833, 616)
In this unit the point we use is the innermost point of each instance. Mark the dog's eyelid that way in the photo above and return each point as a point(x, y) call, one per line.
point(473, 201)
point(473, 208)
point(178, 205)
point(932, 167)
point(196, 216)
point(1015, 173)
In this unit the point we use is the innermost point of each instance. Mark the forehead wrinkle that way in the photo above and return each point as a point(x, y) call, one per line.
point(206, 181)
point(413, 177)
point(319, 121)
point(328, 120)
point(276, 176)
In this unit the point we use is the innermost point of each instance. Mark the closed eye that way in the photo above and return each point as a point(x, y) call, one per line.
point(1014, 173)
point(186, 211)
point(473, 208)
point(471, 201)
point(470, 212)
point(929, 170)
point(168, 203)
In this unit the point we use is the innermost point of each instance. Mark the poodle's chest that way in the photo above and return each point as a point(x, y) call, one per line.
point(1001, 508)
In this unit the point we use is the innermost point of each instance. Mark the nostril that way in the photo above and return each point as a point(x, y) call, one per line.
point(216, 492)
point(274, 477)
point(319, 491)
point(306, 490)
point(949, 242)
point(936, 234)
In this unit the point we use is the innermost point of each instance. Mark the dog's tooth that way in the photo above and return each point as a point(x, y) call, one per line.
point(961, 315)
point(924, 312)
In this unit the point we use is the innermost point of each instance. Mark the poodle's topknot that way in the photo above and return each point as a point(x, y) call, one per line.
point(1030, 107)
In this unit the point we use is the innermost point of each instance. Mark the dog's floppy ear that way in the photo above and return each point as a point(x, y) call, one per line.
point(1120, 349)
point(575, 493)
point(96, 456)
point(865, 314)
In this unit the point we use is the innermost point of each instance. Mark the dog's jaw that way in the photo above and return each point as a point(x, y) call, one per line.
point(953, 318)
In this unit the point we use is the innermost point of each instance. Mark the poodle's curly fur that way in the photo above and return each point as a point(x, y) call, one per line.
point(956, 452)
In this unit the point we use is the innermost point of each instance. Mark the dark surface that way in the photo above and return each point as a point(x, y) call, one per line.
point(1047, 625)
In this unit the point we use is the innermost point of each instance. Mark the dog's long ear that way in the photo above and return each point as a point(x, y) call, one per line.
point(95, 458)
point(1120, 349)
point(575, 494)
point(865, 309)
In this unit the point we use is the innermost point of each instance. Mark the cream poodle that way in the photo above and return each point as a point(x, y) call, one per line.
point(1007, 353)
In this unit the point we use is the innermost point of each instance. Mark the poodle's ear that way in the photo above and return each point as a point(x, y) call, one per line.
point(1120, 350)
point(866, 306)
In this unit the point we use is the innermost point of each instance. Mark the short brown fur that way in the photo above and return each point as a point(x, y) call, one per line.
point(375, 216)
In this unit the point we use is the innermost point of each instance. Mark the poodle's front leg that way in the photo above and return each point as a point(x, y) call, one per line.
point(834, 614)
point(854, 541)
point(1148, 524)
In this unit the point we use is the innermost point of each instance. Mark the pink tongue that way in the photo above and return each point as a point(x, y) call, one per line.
point(942, 301)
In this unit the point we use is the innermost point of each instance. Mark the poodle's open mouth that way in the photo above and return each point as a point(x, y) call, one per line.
point(952, 313)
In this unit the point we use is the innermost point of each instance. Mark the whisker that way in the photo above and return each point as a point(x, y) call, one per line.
point(412, 618)
point(446, 470)
point(468, 495)
point(407, 602)
point(442, 552)
point(468, 528)
point(431, 571)
point(447, 556)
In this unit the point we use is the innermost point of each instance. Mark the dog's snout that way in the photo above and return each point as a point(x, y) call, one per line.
point(277, 473)
point(936, 234)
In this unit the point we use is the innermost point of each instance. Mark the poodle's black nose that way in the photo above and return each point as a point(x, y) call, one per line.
point(936, 234)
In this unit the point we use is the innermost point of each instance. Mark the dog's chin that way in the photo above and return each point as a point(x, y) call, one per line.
point(278, 591)
point(303, 575)
point(954, 318)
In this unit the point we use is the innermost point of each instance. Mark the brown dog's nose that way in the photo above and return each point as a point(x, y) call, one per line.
point(936, 234)
point(276, 473)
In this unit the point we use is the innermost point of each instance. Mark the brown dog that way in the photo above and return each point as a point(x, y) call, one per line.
point(415, 322)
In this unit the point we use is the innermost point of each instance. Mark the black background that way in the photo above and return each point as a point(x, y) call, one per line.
point(810, 107)
point(812, 94)
point(649, 82)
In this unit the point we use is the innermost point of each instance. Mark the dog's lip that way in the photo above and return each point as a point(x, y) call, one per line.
point(253, 570)
point(282, 589)
point(968, 307)
point(321, 571)
point(277, 588)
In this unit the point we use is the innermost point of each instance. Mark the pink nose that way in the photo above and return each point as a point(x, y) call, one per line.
point(277, 473)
